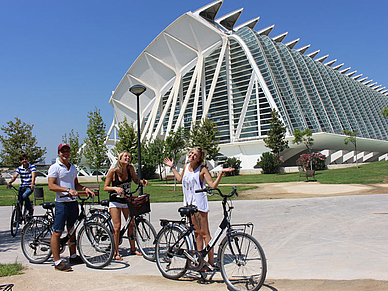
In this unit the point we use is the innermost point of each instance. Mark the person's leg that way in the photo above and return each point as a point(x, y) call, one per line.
point(58, 227)
point(115, 213)
point(73, 211)
point(28, 206)
point(196, 219)
point(130, 233)
point(203, 221)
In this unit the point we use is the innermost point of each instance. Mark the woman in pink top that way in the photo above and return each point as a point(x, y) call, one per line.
point(193, 177)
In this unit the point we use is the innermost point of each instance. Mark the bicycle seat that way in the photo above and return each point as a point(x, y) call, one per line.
point(187, 210)
point(105, 202)
point(48, 205)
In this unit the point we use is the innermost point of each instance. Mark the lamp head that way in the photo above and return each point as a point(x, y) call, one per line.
point(137, 89)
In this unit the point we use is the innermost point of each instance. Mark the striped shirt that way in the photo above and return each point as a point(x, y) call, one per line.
point(26, 175)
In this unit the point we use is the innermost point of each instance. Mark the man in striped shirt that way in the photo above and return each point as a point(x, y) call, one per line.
point(27, 174)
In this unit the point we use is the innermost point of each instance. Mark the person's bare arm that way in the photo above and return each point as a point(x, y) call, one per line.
point(170, 163)
point(209, 180)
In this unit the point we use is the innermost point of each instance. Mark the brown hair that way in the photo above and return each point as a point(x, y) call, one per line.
point(22, 157)
point(119, 168)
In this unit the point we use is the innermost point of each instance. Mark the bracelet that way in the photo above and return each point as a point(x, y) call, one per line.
point(172, 167)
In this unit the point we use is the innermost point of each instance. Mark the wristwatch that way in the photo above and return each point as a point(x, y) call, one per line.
point(68, 190)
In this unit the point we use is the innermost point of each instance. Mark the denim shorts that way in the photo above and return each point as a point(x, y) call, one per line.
point(65, 212)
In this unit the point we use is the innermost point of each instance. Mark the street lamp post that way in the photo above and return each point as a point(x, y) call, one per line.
point(138, 90)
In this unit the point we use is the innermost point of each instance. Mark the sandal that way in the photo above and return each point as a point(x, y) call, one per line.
point(136, 253)
point(118, 257)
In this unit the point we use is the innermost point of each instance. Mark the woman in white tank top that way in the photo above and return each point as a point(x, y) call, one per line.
point(193, 177)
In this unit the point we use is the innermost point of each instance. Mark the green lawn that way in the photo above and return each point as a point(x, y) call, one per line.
point(372, 173)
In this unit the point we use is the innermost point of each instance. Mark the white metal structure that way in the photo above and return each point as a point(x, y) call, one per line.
point(203, 67)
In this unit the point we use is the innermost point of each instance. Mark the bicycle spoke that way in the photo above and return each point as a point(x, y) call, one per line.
point(35, 241)
point(169, 255)
point(243, 263)
point(95, 245)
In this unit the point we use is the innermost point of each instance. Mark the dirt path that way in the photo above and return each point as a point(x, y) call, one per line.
point(38, 279)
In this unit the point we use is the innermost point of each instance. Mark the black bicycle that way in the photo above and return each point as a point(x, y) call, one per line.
point(18, 213)
point(94, 242)
point(240, 257)
point(144, 232)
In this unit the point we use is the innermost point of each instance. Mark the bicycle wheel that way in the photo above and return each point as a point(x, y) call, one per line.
point(170, 259)
point(15, 221)
point(145, 238)
point(95, 244)
point(35, 241)
point(242, 262)
point(102, 218)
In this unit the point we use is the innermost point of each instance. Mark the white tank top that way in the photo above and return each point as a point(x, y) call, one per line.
point(190, 183)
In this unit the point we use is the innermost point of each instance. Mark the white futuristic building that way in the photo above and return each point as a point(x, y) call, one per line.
point(203, 66)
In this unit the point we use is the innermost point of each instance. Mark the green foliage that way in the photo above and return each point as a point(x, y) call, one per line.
point(127, 138)
point(11, 269)
point(232, 163)
point(304, 137)
point(72, 139)
point(95, 149)
point(203, 134)
point(156, 150)
point(384, 112)
point(18, 139)
point(276, 137)
point(352, 138)
point(270, 163)
point(175, 144)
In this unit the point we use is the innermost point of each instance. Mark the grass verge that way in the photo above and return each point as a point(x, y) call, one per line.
point(11, 269)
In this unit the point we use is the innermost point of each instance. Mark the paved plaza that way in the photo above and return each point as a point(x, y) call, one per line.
point(328, 238)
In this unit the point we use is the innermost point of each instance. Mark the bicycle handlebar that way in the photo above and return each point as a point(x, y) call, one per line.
point(79, 194)
point(125, 195)
point(210, 190)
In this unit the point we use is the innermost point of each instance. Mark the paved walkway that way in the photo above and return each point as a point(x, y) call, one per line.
point(330, 238)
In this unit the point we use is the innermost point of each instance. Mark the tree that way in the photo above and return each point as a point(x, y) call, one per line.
point(72, 139)
point(384, 112)
point(203, 134)
point(19, 139)
point(276, 136)
point(127, 138)
point(304, 137)
point(175, 145)
point(352, 138)
point(95, 148)
point(156, 149)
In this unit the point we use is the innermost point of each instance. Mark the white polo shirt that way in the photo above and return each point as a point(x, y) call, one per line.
point(65, 178)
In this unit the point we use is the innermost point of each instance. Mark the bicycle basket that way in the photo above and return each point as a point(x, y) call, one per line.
point(139, 204)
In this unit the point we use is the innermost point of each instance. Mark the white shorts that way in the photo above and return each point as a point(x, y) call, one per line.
point(117, 205)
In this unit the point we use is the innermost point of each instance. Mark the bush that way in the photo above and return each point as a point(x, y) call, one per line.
point(233, 163)
point(318, 161)
point(270, 163)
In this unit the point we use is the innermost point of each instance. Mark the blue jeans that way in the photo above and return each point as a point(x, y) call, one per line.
point(24, 193)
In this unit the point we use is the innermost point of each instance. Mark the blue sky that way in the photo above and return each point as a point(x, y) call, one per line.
point(61, 59)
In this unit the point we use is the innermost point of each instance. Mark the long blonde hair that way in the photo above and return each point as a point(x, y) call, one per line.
point(202, 156)
point(119, 168)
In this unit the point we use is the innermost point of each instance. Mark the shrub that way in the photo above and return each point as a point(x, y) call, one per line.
point(270, 163)
point(233, 163)
point(318, 161)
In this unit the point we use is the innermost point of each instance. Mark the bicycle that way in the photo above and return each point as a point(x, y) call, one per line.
point(94, 240)
point(144, 232)
point(240, 257)
point(18, 216)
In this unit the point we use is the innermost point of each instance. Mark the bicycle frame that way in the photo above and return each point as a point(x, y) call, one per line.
point(225, 224)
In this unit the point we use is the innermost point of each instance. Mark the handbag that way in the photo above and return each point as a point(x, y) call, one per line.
point(139, 204)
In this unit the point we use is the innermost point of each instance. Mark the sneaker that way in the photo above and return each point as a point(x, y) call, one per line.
point(63, 267)
point(76, 261)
